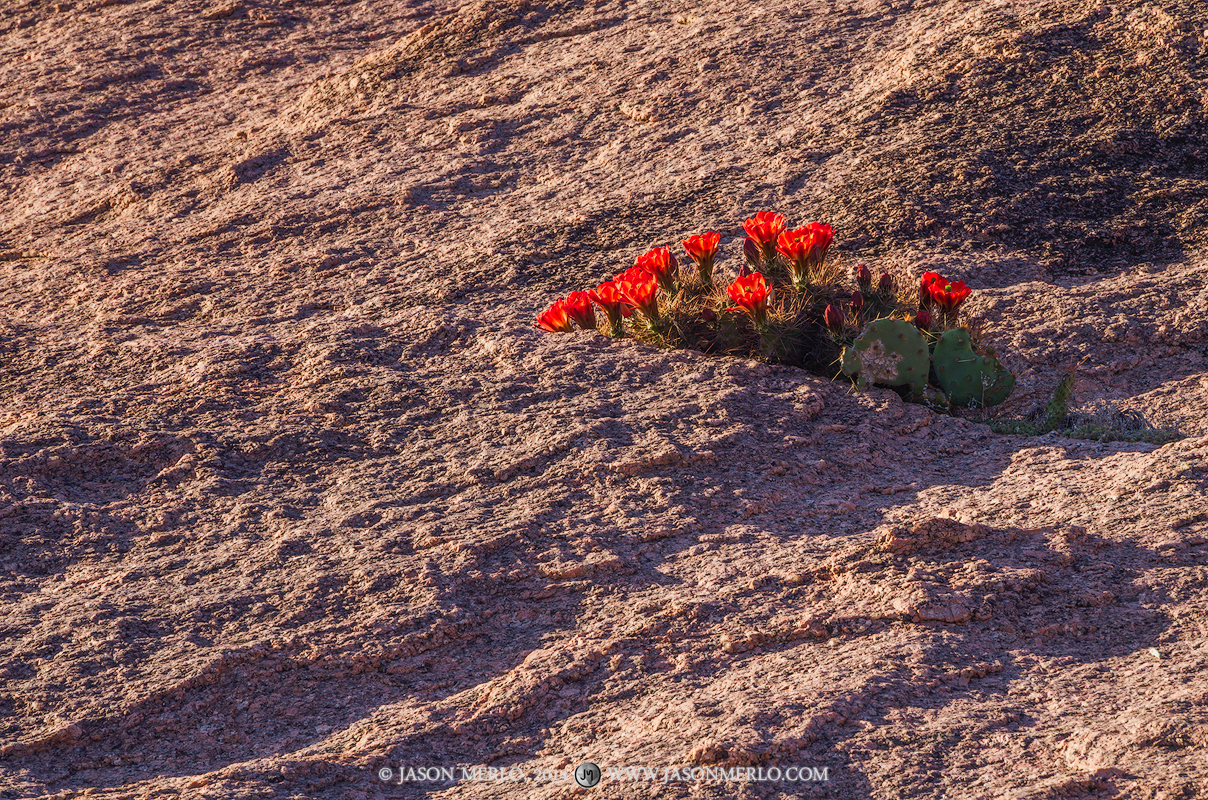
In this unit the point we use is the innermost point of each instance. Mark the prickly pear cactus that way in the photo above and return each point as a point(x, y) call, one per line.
point(967, 378)
point(891, 352)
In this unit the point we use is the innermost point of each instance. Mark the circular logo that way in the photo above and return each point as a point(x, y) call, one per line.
point(587, 774)
point(385, 773)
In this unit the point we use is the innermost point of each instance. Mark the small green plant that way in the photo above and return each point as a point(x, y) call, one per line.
point(788, 303)
point(1050, 417)
point(1105, 426)
point(1109, 433)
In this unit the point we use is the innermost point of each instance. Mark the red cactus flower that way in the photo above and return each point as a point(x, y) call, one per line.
point(752, 293)
point(864, 278)
point(640, 290)
point(805, 248)
point(796, 246)
point(948, 295)
point(659, 262)
point(752, 256)
point(608, 297)
point(922, 320)
point(703, 250)
point(764, 227)
point(578, 307)
point(885, 284)
point(925, 282)
point(555, 319)
point(833, 318)
point(823, 235)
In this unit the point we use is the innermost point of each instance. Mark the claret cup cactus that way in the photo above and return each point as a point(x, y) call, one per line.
point(788, 302)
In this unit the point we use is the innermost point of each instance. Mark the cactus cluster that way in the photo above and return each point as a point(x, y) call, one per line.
point(787, 303)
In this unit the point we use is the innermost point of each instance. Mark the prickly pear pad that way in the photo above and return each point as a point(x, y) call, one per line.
point(965, 377)
point(891, 352)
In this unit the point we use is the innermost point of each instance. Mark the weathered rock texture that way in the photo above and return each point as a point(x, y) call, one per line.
point(291, 491)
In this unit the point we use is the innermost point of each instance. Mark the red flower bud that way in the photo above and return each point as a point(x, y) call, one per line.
point(923, 319)
point(708, 315)
point(833, 318)
point(864, 278)
point(885, 285)
point(752, 255)
point(857, 302)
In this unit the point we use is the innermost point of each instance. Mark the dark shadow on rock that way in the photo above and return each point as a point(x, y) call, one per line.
point(271, 699)
point(1086, 193)
point(974, 608)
